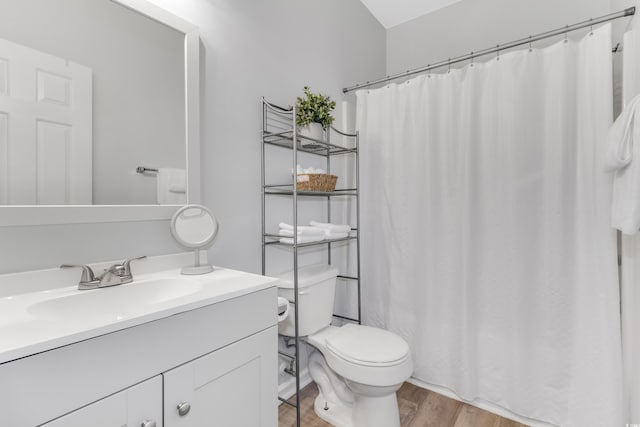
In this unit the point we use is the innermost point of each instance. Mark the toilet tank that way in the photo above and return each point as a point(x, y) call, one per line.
point(316, 293)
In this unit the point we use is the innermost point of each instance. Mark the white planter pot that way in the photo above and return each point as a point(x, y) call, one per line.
point(312, 130)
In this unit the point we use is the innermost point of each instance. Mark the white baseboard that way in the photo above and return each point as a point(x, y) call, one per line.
point(490, 407)
point(287, 388)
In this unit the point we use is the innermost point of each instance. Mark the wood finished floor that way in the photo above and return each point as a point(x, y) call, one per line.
point(418, 408)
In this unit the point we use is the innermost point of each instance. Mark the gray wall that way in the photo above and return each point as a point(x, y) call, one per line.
point(138, 85)
point(472, 25)
point(250, 49)
point(272, 49)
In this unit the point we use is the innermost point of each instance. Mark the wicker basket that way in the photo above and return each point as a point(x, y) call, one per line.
point(317, 182)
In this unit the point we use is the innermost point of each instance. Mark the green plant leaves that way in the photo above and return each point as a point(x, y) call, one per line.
point(314, 107)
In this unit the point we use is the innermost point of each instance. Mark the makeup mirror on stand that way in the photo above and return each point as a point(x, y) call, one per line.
point(194, 227)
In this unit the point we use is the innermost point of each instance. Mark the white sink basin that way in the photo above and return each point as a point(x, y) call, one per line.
point(42, 310)
point(115, 302)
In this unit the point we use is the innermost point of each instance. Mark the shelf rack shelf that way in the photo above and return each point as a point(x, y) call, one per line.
point(287, 190)
point(279, 130)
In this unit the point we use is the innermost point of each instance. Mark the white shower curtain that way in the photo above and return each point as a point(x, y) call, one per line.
point(485, 230)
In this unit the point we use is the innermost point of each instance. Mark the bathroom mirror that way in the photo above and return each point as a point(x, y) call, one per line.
point(194, 227)
point(139, 65)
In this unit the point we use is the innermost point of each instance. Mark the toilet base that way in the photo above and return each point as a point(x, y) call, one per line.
point(336, 414)
point(366, 411)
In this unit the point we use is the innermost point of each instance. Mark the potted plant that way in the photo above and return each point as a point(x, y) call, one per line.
point(313, 115)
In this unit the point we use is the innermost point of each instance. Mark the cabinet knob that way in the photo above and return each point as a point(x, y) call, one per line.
point(148, 423)
point(183, 408)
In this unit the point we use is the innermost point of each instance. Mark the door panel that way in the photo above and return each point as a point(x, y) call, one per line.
point(235, 386)
point(45, 164)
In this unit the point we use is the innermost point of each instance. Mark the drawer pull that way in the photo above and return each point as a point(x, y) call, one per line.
point(184, 408)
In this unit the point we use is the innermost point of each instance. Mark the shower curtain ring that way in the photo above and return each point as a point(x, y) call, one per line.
point(566, 33)
point(429, 71)
point(471, 65)
point(449, 65)
point(498, 50)
point(591, 20)
point(530, 48)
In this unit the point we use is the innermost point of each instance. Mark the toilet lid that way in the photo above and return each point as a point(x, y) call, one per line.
point(368, 346)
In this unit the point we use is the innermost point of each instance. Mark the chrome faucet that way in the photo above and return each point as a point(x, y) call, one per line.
point(116, 274)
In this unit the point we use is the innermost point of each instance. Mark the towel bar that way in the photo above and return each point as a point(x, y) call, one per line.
point(142, 169)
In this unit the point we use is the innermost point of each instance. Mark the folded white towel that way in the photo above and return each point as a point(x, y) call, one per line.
point(289, 233)
point(302, 239)
point(331, 228)
point(623, 157)
point(166, 179)
point(177, 188)
point(331, 236)
point(302, 229)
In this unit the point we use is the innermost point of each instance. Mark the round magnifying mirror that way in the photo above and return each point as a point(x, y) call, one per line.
point(194, 227)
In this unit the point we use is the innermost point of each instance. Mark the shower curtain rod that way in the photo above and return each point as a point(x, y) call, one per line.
point(528, 40)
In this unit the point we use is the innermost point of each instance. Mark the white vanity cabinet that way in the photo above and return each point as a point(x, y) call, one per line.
point(139, 406)
point(220, 358)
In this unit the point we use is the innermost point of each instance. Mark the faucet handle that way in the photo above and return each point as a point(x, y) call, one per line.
point(127, 264)
point(87, 272)
point(87, 278)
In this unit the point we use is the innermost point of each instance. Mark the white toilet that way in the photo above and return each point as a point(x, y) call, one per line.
point(357, 368)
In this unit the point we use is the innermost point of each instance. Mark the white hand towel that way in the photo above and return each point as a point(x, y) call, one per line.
point(289, 233)
point(331, 236)
point(623, 157)
point(302, 229)
point(166, 179)
point(332, 228)
point(176, 188)
point(302, 239)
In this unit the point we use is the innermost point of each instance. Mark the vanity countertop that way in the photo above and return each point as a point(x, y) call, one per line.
point(48, 318)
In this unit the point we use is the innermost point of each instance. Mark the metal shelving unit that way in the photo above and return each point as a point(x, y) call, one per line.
point(279, 130)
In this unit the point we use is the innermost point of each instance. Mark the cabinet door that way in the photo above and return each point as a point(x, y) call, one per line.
point(235, 386)
point(128, 408)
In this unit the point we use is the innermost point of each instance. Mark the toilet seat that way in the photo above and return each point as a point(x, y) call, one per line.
point(365, 355)
point(367, 346)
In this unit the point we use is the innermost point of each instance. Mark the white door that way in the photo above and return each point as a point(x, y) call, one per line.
point(235, 386)
point(45, 128)
point(129, 408)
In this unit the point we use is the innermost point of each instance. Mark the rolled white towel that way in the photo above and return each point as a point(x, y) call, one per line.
point(331, 236)
point(331, 228)
point(302, 239)
point(301, 171)
point(302, 229)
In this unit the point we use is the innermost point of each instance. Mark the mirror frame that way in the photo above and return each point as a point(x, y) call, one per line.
point(22, 215)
